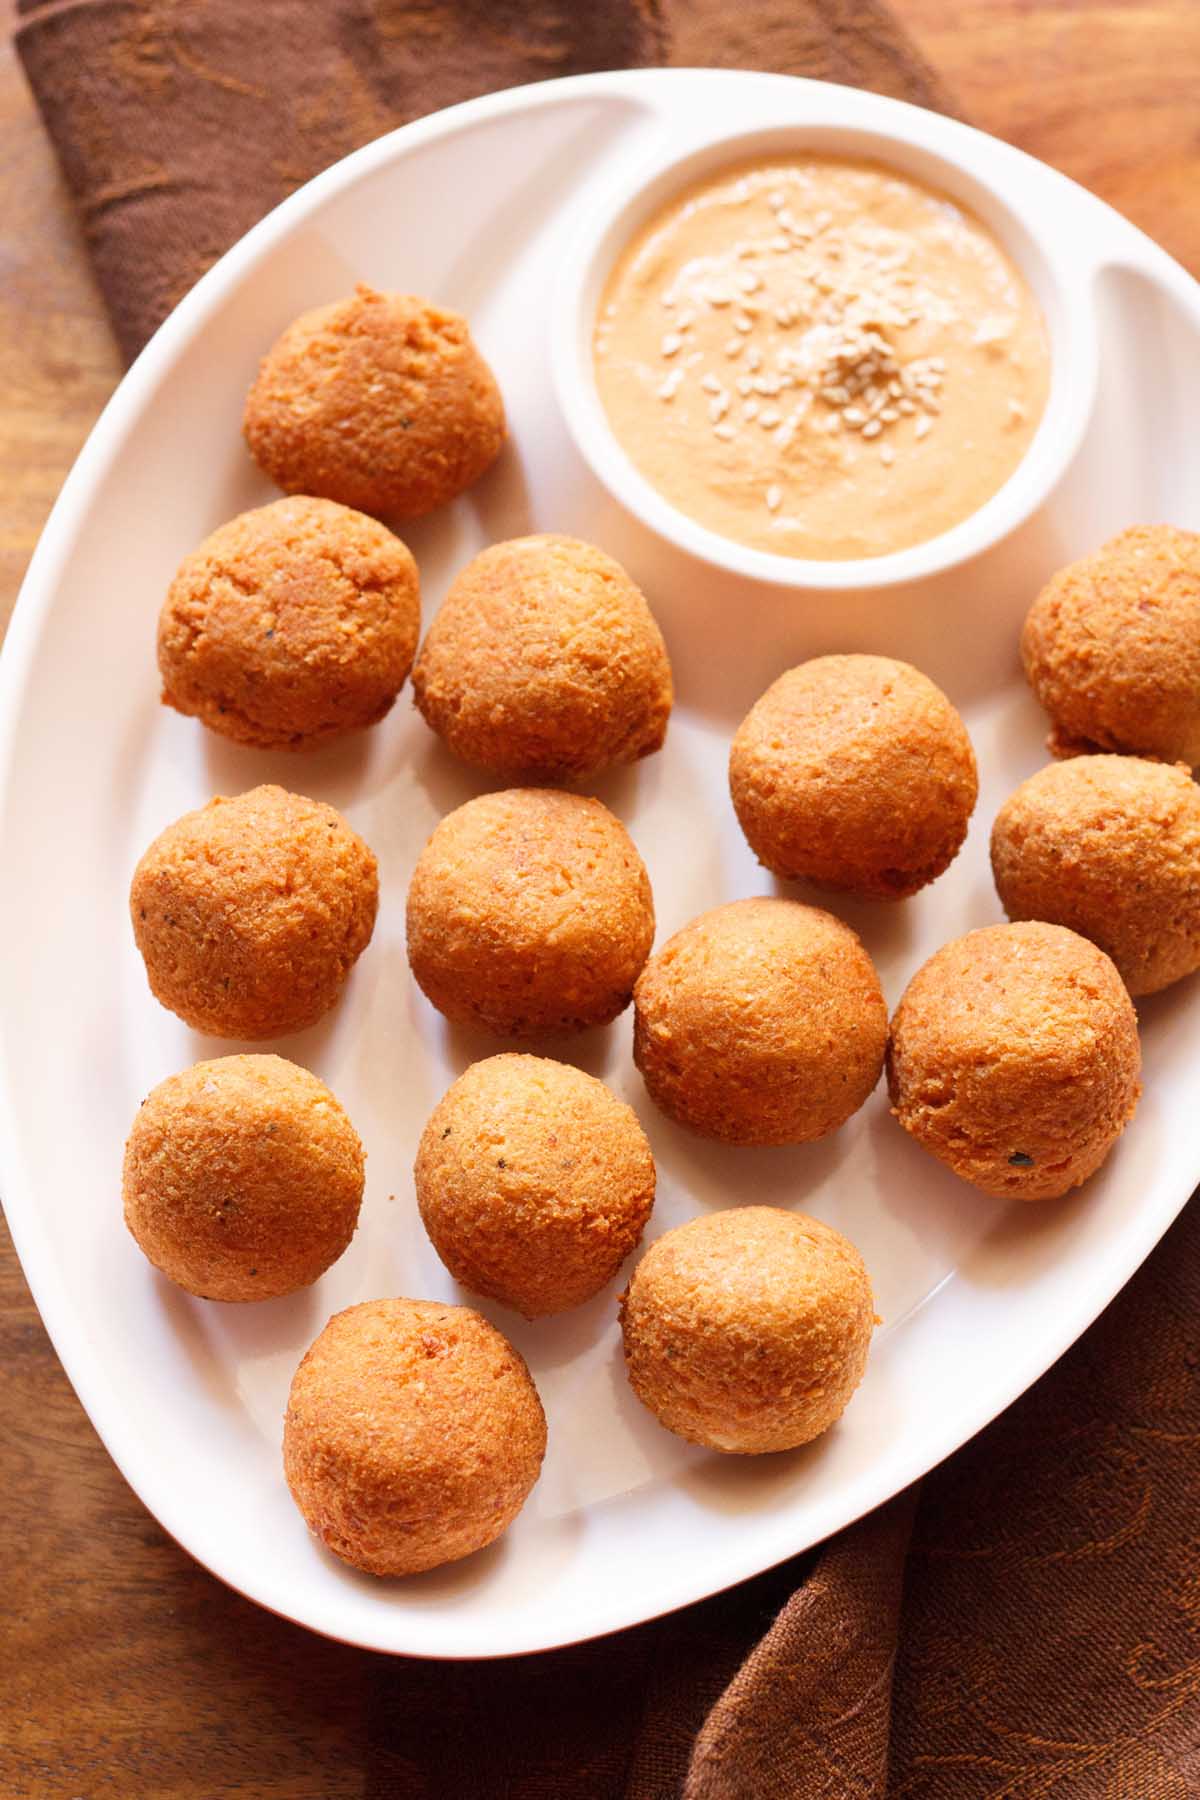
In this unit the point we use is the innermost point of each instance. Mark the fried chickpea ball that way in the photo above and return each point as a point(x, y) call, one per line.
point(1111, 647)
point(291, 625)
point(243, 1178)
point(1110, 847)
point(534, 1182)
point(380, 401)
point(1014, 1059)
point(251, 912)
point(761, 1022)
point(529, 911)
point(545, 661)
point(748, 1330)
point(854, 772)
point(413, 1435)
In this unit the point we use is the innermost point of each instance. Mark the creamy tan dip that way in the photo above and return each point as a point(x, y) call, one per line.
point(820, 358)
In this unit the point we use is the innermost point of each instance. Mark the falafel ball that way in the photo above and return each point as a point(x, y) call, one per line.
point(854, 772)
point(380, 401)
point(290, 625)
point(529, 911)
point(251, 912)
point(748, 1330)
point(545, 661)
point(761, 1022)
point(413, 1435)
point(1110, 847)
point(243, 1178)
point(1014, 1059)
point(1111, 648)
point(534, 1182)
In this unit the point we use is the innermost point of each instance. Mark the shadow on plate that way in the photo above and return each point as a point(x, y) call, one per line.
point(592, 1051)
point(218, 1335)
point(450, 783)
point(656, 1452)
point(886, 927)
point(732, 1484)
point(500, 499)
point(726, 1175)
point(559, 1339)
point(335, 773)
point(454, 1581)
point(307, 1047)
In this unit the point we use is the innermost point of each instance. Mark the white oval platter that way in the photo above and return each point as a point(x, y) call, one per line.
point(474, 207)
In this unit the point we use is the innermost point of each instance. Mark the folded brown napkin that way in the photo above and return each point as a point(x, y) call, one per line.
point(1026, 1625)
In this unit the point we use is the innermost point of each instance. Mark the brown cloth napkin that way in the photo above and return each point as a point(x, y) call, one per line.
point(1028, 1623)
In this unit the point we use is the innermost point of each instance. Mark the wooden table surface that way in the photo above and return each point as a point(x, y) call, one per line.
point(125, 1670)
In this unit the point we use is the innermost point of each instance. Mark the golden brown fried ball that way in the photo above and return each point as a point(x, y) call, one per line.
point(1111, 647)
point(290, 625)
point(1014, 1059)
point(380, 401)
point(761, 1022)
point(529, 911)
point(854, 772)
point(534, 1182)
point(748, 1330)
point(251, 912)
point(413, 1435)
point(545, 661)
point(243, 1178)
point(1110, 847)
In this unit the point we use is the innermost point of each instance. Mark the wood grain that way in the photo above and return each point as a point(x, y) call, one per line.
point(126, 1670)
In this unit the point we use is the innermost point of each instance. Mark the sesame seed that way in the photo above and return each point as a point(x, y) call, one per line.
point(889, 415)
point(853, 415)
point(718, 408)
point(923, 427)
point(776, 200)
point(769, 417)
point(710, 384)
point(872, 428)
point(724, 431)
point(750, 282)
point(886, 454)
point(774, 499)
point(753, 357)
point(742, 323)
point(720, 299)
point(671, 343)
point(745, 385)
point(749, 409)
point(733, 347)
